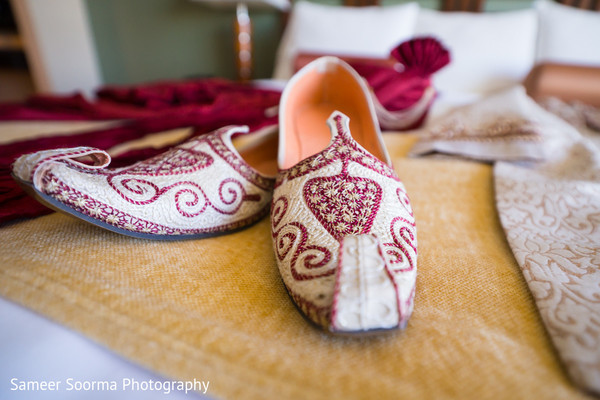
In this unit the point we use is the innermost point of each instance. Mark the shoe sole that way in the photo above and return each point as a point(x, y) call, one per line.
point(55, 205)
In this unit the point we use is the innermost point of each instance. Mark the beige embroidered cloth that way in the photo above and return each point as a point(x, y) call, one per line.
point(549, 208)
point(216, 309)
point(505, 126)
point(551, 214)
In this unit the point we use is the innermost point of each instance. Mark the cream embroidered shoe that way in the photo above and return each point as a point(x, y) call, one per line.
point(343, 230)
point(203, 187)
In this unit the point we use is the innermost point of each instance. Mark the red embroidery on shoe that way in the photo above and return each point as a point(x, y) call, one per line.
point(68, 157)
point(231, 194)
point(342, 147)
point(110, 215)
point(403, 233)
point(338, 124)
point(235, 161)
point(294, 236)
point(390, 273)
point(405, 201)
point(406, 232)
point(343, 204)
point(190, 203)
point(174, 162)
point(146, 192)
point(397, 249)
point(317, 314)
point(278, 210)
point(136, 185)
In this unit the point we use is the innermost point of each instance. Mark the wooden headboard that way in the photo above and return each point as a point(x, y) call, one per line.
point(477, 5)
point(566, 81)
point(585, 4)
point(244, 64)
point(361, 3)
point(445, 5)
point(462, 5)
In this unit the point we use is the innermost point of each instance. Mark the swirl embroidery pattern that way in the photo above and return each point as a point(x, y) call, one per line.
point(201, 186)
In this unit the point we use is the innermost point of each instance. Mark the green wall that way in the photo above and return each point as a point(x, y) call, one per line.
point(148, 40)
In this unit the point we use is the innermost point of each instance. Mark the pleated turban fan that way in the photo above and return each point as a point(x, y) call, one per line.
point(402, 83)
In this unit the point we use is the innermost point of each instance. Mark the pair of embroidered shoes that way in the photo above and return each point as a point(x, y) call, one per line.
point(344, 235)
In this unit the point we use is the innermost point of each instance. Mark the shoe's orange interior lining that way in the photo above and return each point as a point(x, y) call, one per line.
point(261, 154)
point(317, 94)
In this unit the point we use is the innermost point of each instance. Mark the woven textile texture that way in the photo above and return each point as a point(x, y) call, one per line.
point(216, 309)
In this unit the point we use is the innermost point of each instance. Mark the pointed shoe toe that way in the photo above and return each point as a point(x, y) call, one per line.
point(203, 187)
point(343, 230)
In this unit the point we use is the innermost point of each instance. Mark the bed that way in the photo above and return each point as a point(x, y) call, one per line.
point(497, 314)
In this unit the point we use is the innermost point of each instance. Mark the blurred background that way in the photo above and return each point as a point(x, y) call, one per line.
point(62, 46)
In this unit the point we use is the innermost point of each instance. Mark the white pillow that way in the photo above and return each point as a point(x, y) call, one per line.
point(353, 31)
point(568, 35)
point(488, 51)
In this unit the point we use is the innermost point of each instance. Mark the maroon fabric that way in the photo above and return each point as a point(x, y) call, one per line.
point(172, 99)
point(400, 80)
point(395, 90)
point(400, 87)
point(422, 56)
